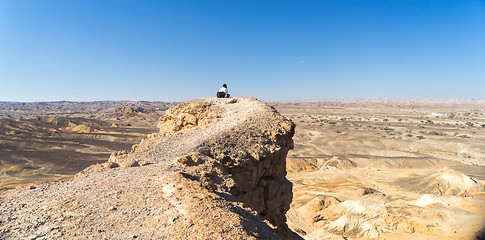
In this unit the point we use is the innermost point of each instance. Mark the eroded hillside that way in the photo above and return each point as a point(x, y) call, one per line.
point(216, 170)
point(47, 141)
point(387, 171)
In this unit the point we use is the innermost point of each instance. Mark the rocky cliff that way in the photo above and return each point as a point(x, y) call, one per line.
point(216, 170)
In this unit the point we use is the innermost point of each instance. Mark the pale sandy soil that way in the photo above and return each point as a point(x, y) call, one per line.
point(387, 171)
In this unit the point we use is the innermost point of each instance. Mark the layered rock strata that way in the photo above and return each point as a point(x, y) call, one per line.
point(216, 170)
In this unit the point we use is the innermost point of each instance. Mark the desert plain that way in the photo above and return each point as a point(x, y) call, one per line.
point(359, 170)
point(387, 170)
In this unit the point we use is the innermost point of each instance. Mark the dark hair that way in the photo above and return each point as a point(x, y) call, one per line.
point(224, 85)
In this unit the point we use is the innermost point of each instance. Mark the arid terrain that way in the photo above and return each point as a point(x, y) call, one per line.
point(46, 141)
point(360, 170)
point(215, 169)
point(387, 170)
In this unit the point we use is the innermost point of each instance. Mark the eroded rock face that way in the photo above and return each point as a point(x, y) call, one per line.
point(187, 115)
point(216, 170)
point(253, 156)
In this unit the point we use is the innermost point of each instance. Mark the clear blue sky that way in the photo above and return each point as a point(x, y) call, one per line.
point(85, 50)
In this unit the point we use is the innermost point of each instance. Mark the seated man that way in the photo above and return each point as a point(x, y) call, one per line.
point(223, 93)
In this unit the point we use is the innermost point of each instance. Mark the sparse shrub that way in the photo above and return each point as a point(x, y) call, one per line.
point(399, 120)
point(429, 121)
point(420, 137)
point(483, 125)
point(464, 136)
point(332, 123)
point(338, 131)
point(470, 124)
point(385, 119)
point(409, 135)
point(388, 129)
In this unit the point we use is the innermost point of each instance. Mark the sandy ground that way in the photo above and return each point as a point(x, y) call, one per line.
point(388, 171)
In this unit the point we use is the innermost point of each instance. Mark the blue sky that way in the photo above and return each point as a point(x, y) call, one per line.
point(85, 50)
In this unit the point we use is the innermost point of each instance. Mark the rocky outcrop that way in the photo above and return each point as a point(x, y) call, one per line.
point(248, 162)
point(187, 115)
point(216, 170)
point(130, 111)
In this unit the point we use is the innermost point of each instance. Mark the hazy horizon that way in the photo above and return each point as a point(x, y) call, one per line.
point(272, 50)
point(343, 100)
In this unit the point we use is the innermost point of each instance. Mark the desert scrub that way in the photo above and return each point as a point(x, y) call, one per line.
point(420, 137)
point(464, 136)
point(434, 133)
point(409, 135)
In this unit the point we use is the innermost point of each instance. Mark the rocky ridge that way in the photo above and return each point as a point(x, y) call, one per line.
point(216, 170)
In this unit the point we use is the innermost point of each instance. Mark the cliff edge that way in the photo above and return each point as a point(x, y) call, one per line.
point(216, 170)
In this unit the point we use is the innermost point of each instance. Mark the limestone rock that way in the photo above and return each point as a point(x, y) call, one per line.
point(187, 115)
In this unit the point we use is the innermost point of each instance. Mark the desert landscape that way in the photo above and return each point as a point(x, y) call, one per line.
point(387, 170)
point(359, 170)
point(47, 141)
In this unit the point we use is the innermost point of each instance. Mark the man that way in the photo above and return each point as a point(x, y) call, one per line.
point(223, 93)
